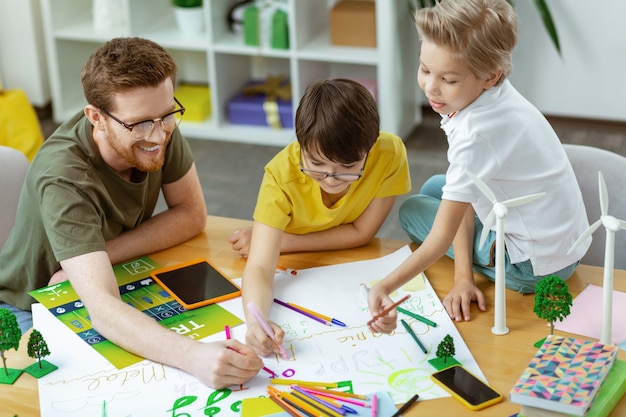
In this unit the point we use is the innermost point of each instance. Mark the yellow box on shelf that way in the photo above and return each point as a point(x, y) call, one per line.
point(196, 98)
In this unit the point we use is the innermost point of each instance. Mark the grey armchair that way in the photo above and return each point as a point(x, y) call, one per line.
point(587, 161)
point(13, 166)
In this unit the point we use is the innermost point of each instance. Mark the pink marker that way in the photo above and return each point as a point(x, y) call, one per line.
point(265, 368)
point(374, 405)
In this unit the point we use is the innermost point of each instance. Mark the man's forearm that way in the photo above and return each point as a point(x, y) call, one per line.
point(160, 232)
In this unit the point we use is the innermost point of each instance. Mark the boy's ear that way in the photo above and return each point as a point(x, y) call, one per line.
point(493, 79)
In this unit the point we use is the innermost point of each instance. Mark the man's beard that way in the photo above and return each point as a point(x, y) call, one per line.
point(128, 155)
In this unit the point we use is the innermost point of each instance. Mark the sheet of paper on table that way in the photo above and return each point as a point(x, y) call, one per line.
point(585, 316)
point(87, 384)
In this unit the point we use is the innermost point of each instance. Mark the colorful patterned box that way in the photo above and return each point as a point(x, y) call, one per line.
point(564, 375)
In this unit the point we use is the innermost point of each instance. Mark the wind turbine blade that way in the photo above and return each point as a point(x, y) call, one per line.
point(482, 187)
point(604, 197)
point(514, 202)
point(486, 228)
point(622, 224)
point(585, 235)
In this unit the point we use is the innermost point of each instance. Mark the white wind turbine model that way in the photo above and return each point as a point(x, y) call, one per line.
point(612, 225)
point(499, 211)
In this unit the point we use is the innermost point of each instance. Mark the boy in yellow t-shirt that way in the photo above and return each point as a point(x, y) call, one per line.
point(332, 189)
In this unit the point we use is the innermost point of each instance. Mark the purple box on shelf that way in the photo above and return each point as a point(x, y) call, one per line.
point(248, 108)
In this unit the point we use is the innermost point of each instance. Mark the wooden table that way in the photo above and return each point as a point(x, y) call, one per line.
point(501, 358)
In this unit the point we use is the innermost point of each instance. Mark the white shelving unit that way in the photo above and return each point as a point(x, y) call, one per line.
point(221, 59)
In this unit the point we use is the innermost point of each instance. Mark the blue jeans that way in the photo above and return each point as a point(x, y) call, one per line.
point(24, 318)
point(417, 215)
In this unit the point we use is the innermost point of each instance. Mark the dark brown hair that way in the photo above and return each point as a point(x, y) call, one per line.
point(123, 64)
point(337, 119)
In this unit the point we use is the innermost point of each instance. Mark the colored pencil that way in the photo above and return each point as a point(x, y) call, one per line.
point(266, 328)
point(388, 309)
point(329, 400)
point(332, 394)
point(300, 403)
point(282, 404)
point(322, 316)
point(286, 270)
point(336, 408)
point(278, 395)
point(266, 369)
point(281, 381)
point(340, 393)
point(317, 405)
point(296, 309)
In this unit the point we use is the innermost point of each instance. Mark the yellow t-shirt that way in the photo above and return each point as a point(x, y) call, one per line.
point(291, 201)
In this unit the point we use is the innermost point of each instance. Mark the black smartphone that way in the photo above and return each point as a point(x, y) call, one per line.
point(466, 387)
point(196, 283)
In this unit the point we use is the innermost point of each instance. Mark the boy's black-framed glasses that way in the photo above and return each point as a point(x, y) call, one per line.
point(142, 129)
point(340, 176)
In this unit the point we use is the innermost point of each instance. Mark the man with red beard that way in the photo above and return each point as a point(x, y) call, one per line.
point(88, 200)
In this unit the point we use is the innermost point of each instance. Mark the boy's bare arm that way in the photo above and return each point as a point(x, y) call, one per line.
point(345, 236)
point(464, 291)
point(258, 285)
point(445, 227)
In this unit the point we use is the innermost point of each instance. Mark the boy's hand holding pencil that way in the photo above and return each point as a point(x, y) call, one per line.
point(264, 336)
point(382, 308)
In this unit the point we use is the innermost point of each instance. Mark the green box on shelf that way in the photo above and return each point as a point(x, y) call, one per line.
point(255, 23)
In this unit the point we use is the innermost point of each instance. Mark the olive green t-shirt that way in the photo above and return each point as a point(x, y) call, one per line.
point(72, 202)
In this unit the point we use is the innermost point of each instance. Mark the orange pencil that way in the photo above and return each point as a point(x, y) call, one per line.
point(286, 270)
point(288, 408)
point(301, 404)
point(328, 319)
point(388, 309)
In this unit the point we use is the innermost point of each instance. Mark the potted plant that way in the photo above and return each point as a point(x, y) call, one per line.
point(189, 16)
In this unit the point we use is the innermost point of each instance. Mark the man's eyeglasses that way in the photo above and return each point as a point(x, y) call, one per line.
point(143, 129)
point(320, 175)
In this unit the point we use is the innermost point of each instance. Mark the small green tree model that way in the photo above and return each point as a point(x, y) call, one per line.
point(10, 335)
point(37, 347)
point(552, 300)
point(444, 356)
point(445, 349)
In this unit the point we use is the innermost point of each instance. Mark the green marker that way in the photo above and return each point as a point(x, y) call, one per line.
point(417, 317)
point(413, 335)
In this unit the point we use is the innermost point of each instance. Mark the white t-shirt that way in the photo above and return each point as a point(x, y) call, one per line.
point(505, 141)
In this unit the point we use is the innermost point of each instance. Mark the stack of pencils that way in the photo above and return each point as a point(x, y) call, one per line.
point(307, 401)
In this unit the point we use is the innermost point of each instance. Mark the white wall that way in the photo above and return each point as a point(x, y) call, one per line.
point(22, 54)
point(589, 79)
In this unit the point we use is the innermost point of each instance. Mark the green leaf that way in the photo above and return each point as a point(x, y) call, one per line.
point(548, 23)
point(544, 13)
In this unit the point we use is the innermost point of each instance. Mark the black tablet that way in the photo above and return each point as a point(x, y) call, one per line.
point(196, 283)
